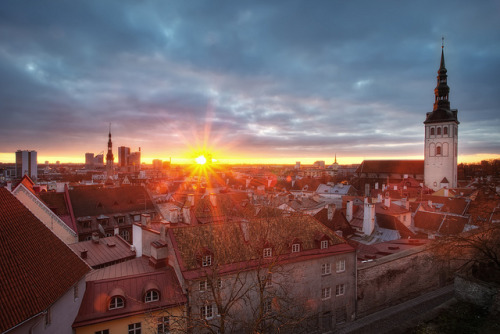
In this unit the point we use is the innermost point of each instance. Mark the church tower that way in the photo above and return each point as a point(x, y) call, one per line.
point(109, 157)
point(441, 137)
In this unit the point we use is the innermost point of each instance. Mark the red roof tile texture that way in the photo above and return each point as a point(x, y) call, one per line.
point(392, 166)
point(31, 258)
point(94, 202)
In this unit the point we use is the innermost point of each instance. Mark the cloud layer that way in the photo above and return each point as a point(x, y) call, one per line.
point(246, 79)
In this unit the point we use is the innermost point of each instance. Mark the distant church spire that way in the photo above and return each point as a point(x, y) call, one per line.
point(109, 156)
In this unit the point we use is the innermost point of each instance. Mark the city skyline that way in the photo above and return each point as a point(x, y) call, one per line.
point(248, 82)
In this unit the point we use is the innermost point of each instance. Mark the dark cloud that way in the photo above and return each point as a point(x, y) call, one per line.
point(268, 79)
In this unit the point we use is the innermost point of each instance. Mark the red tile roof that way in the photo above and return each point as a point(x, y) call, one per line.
point(240, 242)
point(36, 267)
point(94, 202)
point(412, 167)
point(95, 303)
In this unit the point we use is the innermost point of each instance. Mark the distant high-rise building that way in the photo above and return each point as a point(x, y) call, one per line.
point(157, 164)
point(441, 137)
point(99, 160)
point(134, 160)
point(89, 160)
point(123, 155)
point(26, 164)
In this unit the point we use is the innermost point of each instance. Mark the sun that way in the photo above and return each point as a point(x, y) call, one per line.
point(201, 160)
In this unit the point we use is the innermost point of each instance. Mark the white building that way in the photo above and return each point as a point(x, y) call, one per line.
point(441, 137)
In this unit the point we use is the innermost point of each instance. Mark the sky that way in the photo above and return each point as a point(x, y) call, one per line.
point(249, 81)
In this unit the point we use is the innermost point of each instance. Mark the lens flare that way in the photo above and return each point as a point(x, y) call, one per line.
point(201, 160)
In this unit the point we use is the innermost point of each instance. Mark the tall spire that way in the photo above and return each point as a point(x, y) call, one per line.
point(109, 155)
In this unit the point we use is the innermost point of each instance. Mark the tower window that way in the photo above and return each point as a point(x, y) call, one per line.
point(432, 131)
point(445, 130)
point(438, 131)
point(438, 150)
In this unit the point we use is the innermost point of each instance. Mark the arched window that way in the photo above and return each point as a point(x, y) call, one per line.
point(116, 302)
point(151, 296)
point(445, 130)
point(438, 150)
point(432, 131)
point(438, 131)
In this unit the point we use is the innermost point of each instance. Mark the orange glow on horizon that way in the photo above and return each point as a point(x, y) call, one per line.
point(248, 160)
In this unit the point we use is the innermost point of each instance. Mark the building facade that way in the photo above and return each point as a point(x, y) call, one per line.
point(441, 137)
point(26, 164)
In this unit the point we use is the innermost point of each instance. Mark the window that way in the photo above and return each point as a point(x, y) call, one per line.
point(267, 280)
point(206, 261)
point(324, 244)
point(206, 312)
point(120, 220)
point(109, 234)
point(104, 331)
point(295, 248)
point(432, 131)
point(339, 290)
point(326, 268)
point(151, 296)
point(438, 131)
point(125, 235)
point(326, 293)
point(268, 305)
point(268, 252)
point(134, 328)
point(340, 266)
point(163, 325)
point(86, 224)
point(203, 285)
point(445, 130)
point(137, 218)
point(116, 302)
point(438, 150)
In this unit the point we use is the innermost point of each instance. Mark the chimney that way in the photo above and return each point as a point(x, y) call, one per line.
point(396, 187)
point(186, 215)
point(95, 237)
point(163, 231)
point(247, 183)
point(159, 254)
point(349, 211)
point(269, 181)
point(116, 230)
point(146, 220)
point(213, 199)
point(429, 203)
point(83, 253)
point(387, 200)
point(446, 193)
point(331, 211)
point(368, 218)
point(383, 186)
point(379, 198)
point(190, 199)
point(405, 203)
point(376, 185)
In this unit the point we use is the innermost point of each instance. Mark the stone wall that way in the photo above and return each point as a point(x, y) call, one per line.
point(396, 278)
point(477, 292)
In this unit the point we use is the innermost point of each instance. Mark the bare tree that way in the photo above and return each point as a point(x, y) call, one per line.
point(476, 252)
